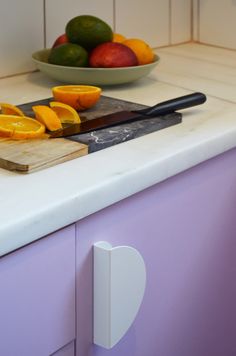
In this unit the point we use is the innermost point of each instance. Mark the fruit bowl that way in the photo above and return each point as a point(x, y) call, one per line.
point(91, 76)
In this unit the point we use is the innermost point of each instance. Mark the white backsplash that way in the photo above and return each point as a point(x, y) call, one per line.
point(217, 22)
point(56, 22)
point(29, 25)
point(146, 19)
point(181, 16)
point(22, 32)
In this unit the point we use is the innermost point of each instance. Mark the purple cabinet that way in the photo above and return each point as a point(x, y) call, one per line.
point(67, 350)
point(185, 229)
point(37, 297)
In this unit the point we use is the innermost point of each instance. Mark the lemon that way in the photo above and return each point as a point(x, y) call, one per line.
point(69, 54)
point(88, 31)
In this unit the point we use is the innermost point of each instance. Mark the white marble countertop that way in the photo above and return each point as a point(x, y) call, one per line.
point(34, 205)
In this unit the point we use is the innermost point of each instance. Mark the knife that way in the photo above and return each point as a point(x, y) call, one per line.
point(164, 108)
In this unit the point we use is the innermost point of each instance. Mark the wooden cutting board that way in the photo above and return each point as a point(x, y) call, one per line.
point(26, 156)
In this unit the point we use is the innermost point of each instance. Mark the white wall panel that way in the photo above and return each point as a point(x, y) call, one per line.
point(195, 20)
point(159, 22)
point(21, 34)
point(180, 21)
point(59, 12)
point(145, 19)
point(217, 24)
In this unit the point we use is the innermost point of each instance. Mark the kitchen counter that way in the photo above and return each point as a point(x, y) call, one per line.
point(34, 205)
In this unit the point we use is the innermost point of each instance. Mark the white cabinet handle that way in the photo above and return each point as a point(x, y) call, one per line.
point(119, 285)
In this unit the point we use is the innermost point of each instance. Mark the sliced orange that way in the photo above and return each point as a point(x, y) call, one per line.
point(80, 97)
point(65, 112)
point(20, 127)
point(47, 117)
point(9, 109)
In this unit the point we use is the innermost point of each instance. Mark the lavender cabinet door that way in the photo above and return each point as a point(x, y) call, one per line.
point(67, 350)
point(185, 230)
point(37, 296)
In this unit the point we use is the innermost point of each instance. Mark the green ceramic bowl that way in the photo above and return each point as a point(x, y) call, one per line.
point(91, 76)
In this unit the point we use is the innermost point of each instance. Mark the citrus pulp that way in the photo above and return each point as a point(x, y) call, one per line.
point(20, 127)
point(80, 97)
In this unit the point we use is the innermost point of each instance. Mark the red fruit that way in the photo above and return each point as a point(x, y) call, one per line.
point(60, 40)
point(111, 55)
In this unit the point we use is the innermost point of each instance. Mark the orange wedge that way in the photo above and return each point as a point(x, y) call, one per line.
point(65, 112)
point(80, 97)
point(20, 127)
point(9, 109)
point(47, 117)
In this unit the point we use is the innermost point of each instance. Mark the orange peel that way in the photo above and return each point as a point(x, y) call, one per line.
point(65, 112)
point(9, 109)
point(80, 97)
point(47, 117)
point(20, 127)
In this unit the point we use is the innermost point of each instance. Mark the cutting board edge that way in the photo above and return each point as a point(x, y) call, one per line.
point(82, 152)
point(25, 168)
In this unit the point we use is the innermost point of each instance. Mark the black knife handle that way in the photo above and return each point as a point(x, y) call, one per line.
point(169, 106)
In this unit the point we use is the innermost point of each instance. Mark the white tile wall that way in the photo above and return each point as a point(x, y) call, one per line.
point(217, 22)
point(146, 19)
point(195, 20)
point(180, 18)
point(28, 25)
point(22, 33)
point(59, 12)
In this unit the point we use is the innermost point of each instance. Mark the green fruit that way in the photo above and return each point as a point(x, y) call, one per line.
point(69, 54)
point(88, 31)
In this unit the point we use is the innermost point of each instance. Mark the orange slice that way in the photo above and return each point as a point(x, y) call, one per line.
point(20, 127)
point(65, 112)
point(47, 117)
point(9, 109)
point(80, 97)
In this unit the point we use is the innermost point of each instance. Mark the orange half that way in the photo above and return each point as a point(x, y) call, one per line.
point(47, 117)
point(80, 97)
point(65, 112)
point(20, 127)
point(9, 109)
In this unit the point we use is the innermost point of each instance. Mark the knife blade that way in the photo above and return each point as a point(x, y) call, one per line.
point(120, 117)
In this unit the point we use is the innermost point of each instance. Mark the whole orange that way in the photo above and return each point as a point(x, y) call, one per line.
point(117, 37)
point(142, 50)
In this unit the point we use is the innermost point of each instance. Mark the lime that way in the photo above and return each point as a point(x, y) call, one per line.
point(68, 54)
point(88, 31)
